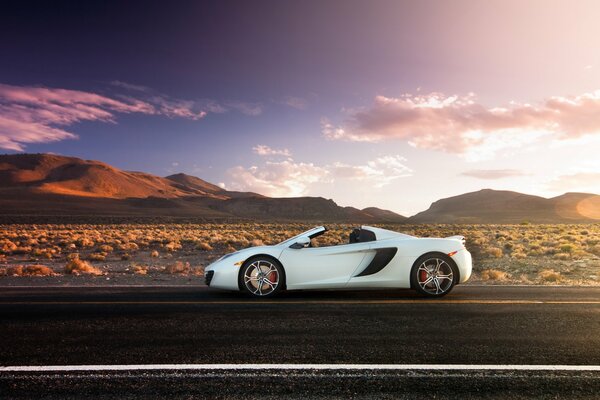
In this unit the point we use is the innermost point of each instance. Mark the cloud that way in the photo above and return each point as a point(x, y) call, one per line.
point(130, 86)
point(31, 114)
point(39, 114)
point(277, 179)
point(174, 108)
point(493, 173)
point(290, 178)
point(459, 124)
point(264, 150)
point(251, 109)
point(576, 182)
point(381, 171)
point(295, 102)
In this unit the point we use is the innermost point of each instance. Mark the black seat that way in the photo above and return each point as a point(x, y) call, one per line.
point(366, 236)
point(362, 235)
point(354, 236)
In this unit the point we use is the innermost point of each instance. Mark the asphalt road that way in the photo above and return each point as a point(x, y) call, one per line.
point(493, 326)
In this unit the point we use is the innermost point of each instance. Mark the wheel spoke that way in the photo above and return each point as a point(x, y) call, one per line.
point(426, 282)
point(449, 276)
point(438, 289)
point(268, 282)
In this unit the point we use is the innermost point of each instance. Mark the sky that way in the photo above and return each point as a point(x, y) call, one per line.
point(393, 104)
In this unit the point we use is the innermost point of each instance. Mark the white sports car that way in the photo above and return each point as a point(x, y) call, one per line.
point(372, 258)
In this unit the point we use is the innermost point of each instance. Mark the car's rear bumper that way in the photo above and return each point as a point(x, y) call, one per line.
point(464, 262)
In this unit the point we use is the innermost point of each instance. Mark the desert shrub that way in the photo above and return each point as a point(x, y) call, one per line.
point(105, 248)
point(97, 257)
point(178, 268)
point(549, 275)
point(518, 254)
point(85, 242)
point(22, 250)
point(203, 246)
point(562, 256)
point(173, 246)
point(567, 248)
point(594, 250)
point(154, 253)
point(129, 246)
point(493, 252)
point(125, 256)
point(43, 253)
point(6, 246)
point(140, 270)
point(76, 266)
point(494, 275)
point(28, 270)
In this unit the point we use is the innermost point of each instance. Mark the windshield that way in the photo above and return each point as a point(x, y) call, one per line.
point(311, 233)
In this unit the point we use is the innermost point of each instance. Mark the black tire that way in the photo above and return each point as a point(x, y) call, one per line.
point(434, 275)
point(261, 277)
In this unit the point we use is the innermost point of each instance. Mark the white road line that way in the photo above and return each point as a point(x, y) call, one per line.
point(318, 367)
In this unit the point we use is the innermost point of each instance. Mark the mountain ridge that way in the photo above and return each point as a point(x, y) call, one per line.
point(48, 183)
point(504, 206)
point(40, 184)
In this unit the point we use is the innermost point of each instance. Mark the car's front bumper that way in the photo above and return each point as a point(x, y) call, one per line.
point(223, 275)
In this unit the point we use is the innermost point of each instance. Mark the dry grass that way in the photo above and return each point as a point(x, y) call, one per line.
point(97, 257)
point(549, 275)
point(140, 270)
point(494, 275)
point(178, 268)
point(203, 246)
point(28, 270)
point(522, 252)
point(76, 266)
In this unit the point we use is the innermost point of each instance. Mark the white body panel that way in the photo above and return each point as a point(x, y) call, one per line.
point(348, 265)
point(323, 267)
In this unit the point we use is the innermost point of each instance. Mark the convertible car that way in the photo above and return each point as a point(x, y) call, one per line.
point(372, 258)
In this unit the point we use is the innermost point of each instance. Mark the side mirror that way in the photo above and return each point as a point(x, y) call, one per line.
point(301, 243)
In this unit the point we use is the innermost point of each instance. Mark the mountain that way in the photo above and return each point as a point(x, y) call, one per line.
point(384, 215)
point(501, 206)
point(189, 182)
point(47, 184)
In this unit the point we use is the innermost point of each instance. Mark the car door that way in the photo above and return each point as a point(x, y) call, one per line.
point(322, 267)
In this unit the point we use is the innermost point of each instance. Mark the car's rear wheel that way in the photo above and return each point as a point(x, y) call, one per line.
point(434, 275)
point(261, 277)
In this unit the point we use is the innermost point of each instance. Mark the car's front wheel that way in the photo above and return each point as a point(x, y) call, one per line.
point(261, 277)
point(434, 275)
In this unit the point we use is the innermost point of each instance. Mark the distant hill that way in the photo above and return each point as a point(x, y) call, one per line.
point(47, 184)
point(500, 206)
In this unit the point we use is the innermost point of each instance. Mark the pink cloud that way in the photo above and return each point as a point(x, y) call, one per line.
point(295, 102)
point(40, 115)
point(493, 173)
point(251, 109)
point(580, 181)
point(278, 179)
point(291, 178)
point(458, 123)
point(264, 150)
